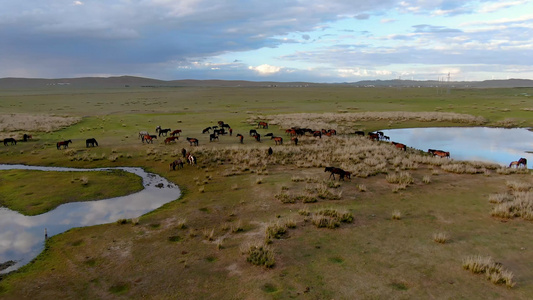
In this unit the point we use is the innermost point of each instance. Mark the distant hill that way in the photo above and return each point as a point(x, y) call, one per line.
point(132, 81)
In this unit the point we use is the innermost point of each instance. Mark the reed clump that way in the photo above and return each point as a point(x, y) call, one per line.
point(493, 271)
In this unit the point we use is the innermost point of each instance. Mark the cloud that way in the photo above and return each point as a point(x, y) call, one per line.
point(266, 69)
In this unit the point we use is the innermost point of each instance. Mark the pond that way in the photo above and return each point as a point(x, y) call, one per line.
point(22, 237)
point(498, 145)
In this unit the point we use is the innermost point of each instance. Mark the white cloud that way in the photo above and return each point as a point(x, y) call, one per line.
point(266, 69)
point(493, 7)
point(78, 3)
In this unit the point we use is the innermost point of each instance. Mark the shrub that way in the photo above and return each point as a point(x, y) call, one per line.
point(400, 178)
point(396, 215)
point(440, 237)
point(275, 231)
point(260, 255)
point(426, 179)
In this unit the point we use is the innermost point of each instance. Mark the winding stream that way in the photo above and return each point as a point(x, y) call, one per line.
point(22, 237)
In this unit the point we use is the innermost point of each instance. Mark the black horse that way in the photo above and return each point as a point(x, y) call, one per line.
point(26, 137)
point(163, 132)
point(359, 132)
point(64, 144)
point(91, 142)
point(240, 137)
point(253, 132)
point(10, 140)
point(213, 136)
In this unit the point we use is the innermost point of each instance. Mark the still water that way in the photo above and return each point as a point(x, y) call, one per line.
point(22, 237)
point(498, 145)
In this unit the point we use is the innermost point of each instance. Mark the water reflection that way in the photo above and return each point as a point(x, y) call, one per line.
point(498, 145)
point(22, 237)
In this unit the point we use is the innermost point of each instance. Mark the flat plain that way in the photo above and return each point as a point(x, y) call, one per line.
point(255, 226)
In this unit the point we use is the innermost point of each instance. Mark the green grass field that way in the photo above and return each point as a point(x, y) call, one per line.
point(240, 201)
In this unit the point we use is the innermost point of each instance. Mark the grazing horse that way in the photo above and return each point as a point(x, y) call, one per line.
point(386, 138)
point(334, 171)
point(177, 163)
point(317, 133)
point(257, 137)
point(521, 162)
point(183, 152)
point(64, 144)
point(270, 134)
point(253, 132)
point(400, 146)
point(213, 136)
point(175, 132)
point(142, 134)
point(240, 137)
point(270, 151)
point(26, 137)
point(359, 132)
point(148, 138)
point(10, 140)
point(224, 125)
point(91, 142)
point(171, 139)
point(263, 125)
point(206, 130)
point(277, 140)
point(192, 141)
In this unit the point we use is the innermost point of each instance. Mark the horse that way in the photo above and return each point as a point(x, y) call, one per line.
point(359, 132)
point(213, 136)
point(270, 151)
point(183, 152)
point(440, 153)
point(177, 163)
point(206, 130)
point(518, 163)
point(191, 159)
point(192, 141)
point(171, 139)
point(230, 132)
point(92, 142)
point(142, 134)
point(175, 132)
point(163, 131)
point(400, 146)
point(257, 137)
point(224, 125)
point(253, 132)
point(10, 140)
point(277, 139)
point(334, 171)
point(373, 136)
point(317, 133)
point(240, 137)
point(26, 137)
point(295, 140)
point(148, 138)
point(63, 143)
point(386, 138)
point(270, 134)
point(263, 125)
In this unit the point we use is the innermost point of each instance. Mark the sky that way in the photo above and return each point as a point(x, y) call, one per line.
point(277, 40)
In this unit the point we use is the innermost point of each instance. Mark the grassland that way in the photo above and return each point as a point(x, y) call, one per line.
point(241, 206)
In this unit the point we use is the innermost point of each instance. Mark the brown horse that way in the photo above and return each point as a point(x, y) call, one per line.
point(175, 132)
point(148, 138)
point(440, 153)
point(64, 144)
point(240, 137)
point(171, 139)
point(400, 146)
point(521, 162)
point(263, 125)
point(277, 139)
point(334, 171)
point(177, 163)
point(192, 141)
